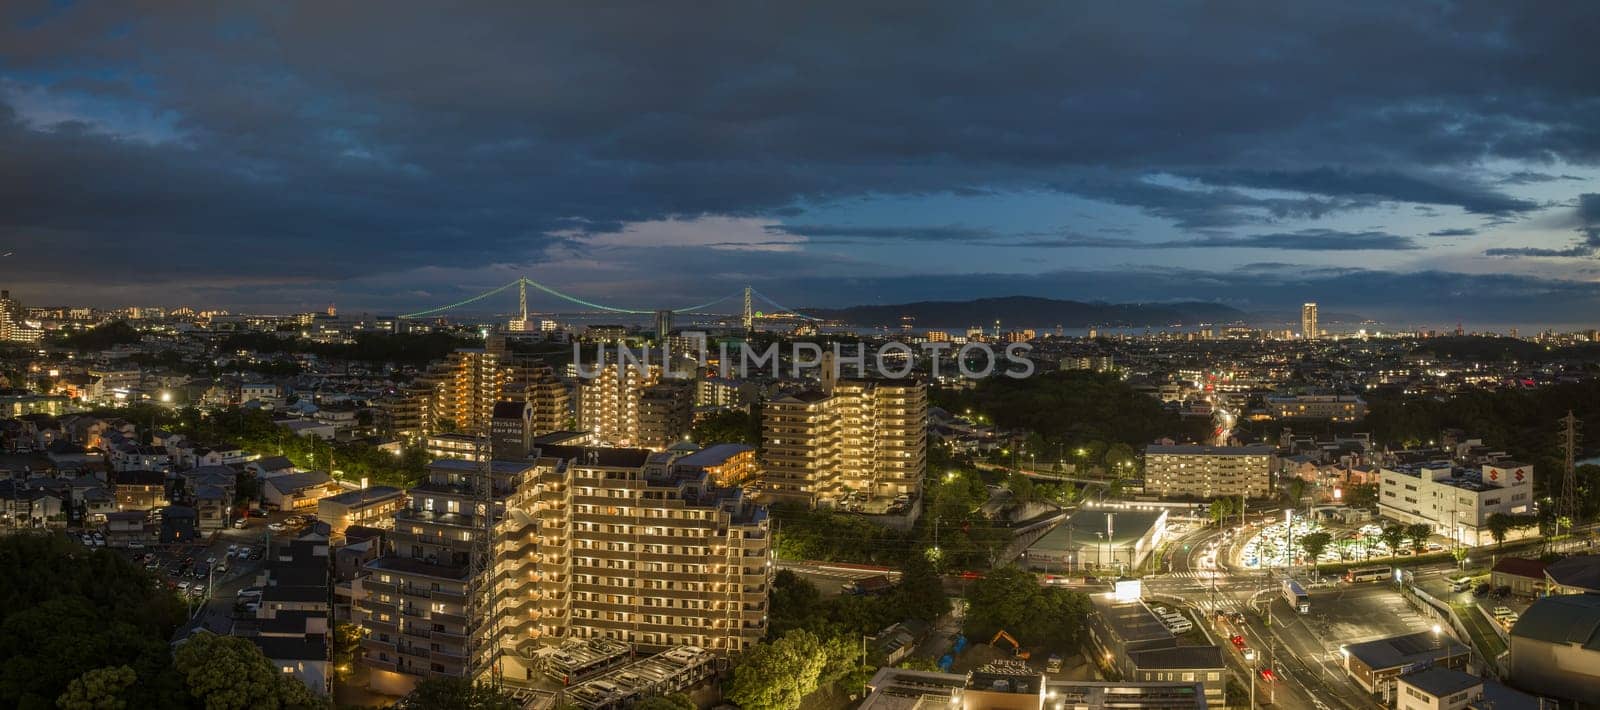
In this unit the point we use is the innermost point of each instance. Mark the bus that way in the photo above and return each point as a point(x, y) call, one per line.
point(1368, 574)
point(1297, 597)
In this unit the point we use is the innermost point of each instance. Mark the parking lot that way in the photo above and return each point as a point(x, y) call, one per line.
point(210, 574)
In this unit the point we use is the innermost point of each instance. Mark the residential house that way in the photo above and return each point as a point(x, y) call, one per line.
point(139, 489)
point(1524, 577)
point(270, 466)
point(298, 491)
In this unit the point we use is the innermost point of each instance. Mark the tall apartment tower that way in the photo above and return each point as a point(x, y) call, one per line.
point(459, 393)
point(588, 543)
point(666, 412)
point(864, 434)
point(608, 403)
point(465, 388)
point(1308, 322)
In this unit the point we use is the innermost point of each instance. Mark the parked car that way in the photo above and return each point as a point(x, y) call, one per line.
point(1481, 590)
point(276, 527)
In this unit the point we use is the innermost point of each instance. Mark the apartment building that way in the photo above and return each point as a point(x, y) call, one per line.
point(608, 402)
point(588, 543)
point(867, 435)
point(460, 393)
point(1324, 407)
point(1209, 471)
point(666, 412)
point(465, 388)
point(1455, 501)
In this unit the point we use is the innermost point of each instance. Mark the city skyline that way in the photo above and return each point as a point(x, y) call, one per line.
point(281, 159)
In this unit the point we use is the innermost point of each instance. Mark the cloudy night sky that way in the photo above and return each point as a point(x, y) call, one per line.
point(1419, 162)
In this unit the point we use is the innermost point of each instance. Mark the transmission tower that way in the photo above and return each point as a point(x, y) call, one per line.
point(749, 311)
point(483, 587)
point(1567, 504)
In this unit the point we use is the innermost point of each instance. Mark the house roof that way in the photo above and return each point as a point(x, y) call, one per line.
point(1563, 619)
point(363, 496)
point(1440, 682)
point(296, 482)
point(292, 648)
point(1581, 571)
point(714, 455)
point(1519, 567)
point(139, 478)
point(1397, 651)
point(274, 463)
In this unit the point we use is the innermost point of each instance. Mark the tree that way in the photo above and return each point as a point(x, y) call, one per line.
point(1119, 459)
point(676, 701)
point(1362, 495)
point(99, 689)
point(1499, 525)
point(1219, 510)
point(1393, 535)
point(229, 673)
point(68, 611)
point(1314, 544)
point(1011, 599)
point(777, 675)
point(729, 426)
point(1418, 532)
point(440, 693)
point(346, 647)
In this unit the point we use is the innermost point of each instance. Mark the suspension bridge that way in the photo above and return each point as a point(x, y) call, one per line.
point(749, 295)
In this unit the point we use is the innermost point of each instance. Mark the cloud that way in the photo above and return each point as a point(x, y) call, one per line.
point(845, 234)
point(1584, 219)
point(299, 148)
point(1453, 232)
point(1302, 240)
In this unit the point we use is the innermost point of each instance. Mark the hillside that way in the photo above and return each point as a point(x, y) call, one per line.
point(1028, 311)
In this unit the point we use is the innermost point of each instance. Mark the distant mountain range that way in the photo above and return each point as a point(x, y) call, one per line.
point(1033, 312)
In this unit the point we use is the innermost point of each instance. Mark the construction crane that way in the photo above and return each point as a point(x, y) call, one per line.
point(1016, 648)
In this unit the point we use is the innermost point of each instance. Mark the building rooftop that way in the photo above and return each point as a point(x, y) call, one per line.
point(714, 455)
point(406, 565)
point(1519, 567)
point(1572, 619)
point(363, 496)
point(608, 457)
point(1086, 527)
point(1581, 571)
point(1440, 682)
point(1195, 449)
point(1397, 651)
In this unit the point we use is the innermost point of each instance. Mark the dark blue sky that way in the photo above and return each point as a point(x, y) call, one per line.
point(1406, 160)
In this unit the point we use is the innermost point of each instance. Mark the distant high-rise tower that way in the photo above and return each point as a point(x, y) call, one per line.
point(663, 326)
point(333, 311)
point(1308, 322)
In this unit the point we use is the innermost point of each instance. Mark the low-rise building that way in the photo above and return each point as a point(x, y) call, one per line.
point(1437, 689)
point(1579, 574)
point(139, 490)
point(1377, 665)
point(1525, 578)
point(298, 491)
point(371, 507)
point(1328, 407)
point(1209, 471)
point(1098, 539)
point(1555, 648)
point(728, 465)
point(1128, 637)
point(1456, 501)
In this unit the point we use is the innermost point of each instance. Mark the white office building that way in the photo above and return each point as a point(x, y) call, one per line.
point(1456, 501)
